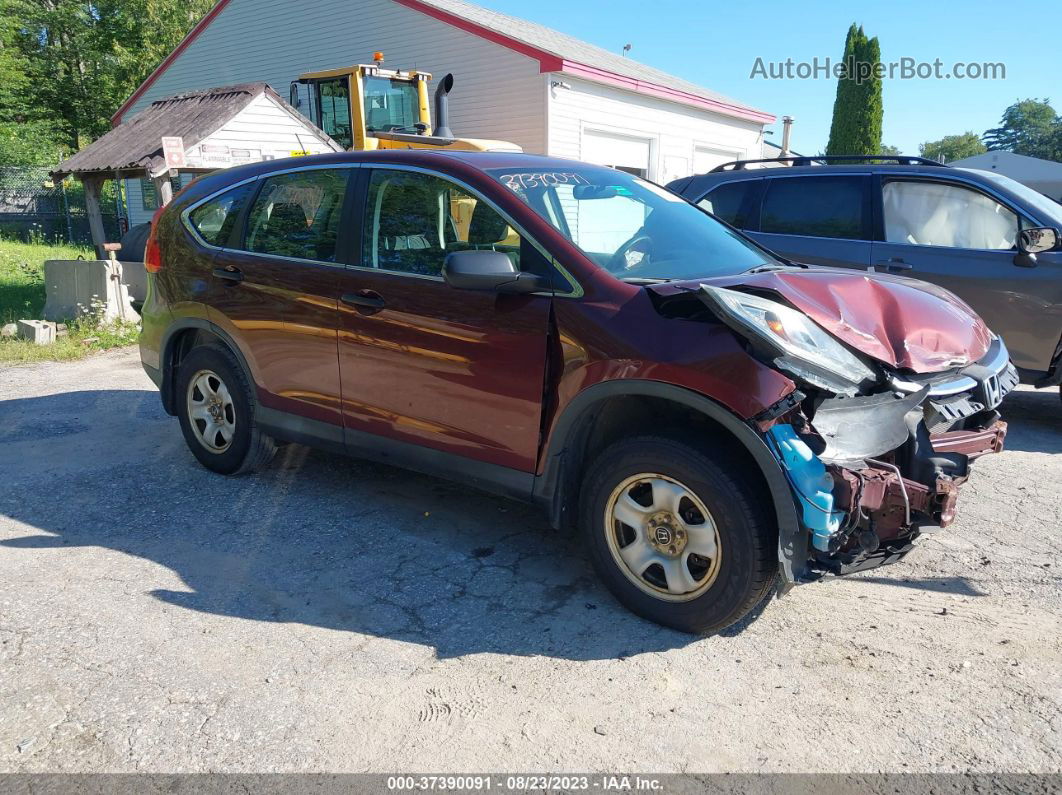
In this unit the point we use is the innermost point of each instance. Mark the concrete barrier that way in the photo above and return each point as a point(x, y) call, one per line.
point(73, 286)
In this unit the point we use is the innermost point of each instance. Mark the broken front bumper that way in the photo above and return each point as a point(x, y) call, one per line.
point(879, 470)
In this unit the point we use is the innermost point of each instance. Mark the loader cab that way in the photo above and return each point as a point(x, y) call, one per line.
point(355, 104)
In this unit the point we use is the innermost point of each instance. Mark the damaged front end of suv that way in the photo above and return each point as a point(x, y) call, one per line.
point(897, 388)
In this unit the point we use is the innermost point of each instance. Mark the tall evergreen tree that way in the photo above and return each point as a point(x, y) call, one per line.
point(857, 109)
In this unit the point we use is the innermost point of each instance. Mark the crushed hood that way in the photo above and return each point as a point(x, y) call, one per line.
point(902, 322)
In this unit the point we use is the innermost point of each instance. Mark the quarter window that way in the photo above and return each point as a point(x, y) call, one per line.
point(938, 214)
point(413, 220)
point(814, 206)
point(215, 219)
point(298, 215)
point(731, 202)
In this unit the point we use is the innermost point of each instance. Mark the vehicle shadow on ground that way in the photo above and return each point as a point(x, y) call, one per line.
point(960, 586)
point(1035, 421)
point(317, 539)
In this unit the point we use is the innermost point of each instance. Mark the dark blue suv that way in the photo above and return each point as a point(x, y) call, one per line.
point(992, 241)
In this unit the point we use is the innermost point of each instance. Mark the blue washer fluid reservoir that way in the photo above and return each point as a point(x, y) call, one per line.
point(811, 483)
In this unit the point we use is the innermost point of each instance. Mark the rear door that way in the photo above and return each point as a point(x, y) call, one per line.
point(456, 371)
point(820, 220)
point(275, 289)
point(961, 237)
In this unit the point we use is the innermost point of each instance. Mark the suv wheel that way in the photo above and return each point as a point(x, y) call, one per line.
point(216, 411)
point(675, 537)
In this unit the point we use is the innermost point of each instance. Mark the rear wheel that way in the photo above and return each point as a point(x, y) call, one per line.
point(216, 409)
point(676, 537)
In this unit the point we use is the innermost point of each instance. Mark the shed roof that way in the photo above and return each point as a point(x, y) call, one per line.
point(136, 145)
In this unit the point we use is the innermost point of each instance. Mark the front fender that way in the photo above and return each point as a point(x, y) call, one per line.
point(548, 488)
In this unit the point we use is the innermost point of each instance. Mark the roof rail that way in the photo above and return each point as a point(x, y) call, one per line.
point(807, 160)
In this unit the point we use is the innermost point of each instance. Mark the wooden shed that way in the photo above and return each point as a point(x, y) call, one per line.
point(216, 128)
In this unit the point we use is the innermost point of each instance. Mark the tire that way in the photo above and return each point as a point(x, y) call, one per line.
point(211, 378)
point(727, 583)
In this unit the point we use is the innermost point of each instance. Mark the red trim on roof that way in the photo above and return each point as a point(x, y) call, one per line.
point(193, 34)
point(548, 62)
point(663, 92)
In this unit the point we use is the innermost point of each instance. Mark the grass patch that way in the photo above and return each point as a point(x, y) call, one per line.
point(22, 296)
point(22, 275)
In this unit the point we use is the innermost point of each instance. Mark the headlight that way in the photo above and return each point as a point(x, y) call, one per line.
point(800, 347)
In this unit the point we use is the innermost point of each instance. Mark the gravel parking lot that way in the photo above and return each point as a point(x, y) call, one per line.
point(336, 615)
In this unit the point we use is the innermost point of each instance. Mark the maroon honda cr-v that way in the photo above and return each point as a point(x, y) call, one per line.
point(709, 418)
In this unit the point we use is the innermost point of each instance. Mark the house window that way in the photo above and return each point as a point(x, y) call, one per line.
point(148, 196)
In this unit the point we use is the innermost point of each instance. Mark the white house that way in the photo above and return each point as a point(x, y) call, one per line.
point(1044, 176)
point(514, 80)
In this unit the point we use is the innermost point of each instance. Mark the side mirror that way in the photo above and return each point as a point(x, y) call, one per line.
point(1037, 240)
point(488, 270)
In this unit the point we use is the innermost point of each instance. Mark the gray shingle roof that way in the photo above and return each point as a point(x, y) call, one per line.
point(570, 48)
point(137, 144)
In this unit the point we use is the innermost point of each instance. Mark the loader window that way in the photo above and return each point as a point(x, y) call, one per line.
point(390, 104)
point(333, 110)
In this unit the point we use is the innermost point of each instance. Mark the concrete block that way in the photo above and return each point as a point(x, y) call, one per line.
point(73, 286)
point(135, 278)
point(40, 332)
point(9, 330)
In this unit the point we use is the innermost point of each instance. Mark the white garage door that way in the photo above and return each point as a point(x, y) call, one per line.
point(627, 153)
point(705, 158)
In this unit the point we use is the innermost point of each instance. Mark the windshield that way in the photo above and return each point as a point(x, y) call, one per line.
point(1044, 206)
point(390, 104)
point(633, 229)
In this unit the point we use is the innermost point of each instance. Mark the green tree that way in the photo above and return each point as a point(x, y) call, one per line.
point(27, 137)
point(82, 59)
point(952, 147)
point(885, 149)
point(857, 108)
point(1029, 127)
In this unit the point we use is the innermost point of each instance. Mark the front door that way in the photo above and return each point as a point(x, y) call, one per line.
point(965, 240)
point(458, 371)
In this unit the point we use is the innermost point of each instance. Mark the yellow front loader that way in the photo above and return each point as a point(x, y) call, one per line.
point(370, 107)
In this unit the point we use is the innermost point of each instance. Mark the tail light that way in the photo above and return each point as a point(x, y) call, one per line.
point(152, 251)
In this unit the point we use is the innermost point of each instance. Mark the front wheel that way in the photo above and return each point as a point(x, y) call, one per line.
point(677, 538)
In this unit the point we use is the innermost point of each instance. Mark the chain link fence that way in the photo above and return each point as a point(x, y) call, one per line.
point(33, 208)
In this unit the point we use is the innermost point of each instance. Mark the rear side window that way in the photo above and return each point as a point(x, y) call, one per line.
point(298, 215)
point(732, 202)
point(214, 219)
point(814, 207)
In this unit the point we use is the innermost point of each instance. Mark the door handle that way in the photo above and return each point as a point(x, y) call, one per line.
point(364, 298)
point(229, 274)
point(894, 264)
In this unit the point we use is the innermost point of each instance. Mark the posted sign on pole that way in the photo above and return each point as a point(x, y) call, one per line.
point(173, 152)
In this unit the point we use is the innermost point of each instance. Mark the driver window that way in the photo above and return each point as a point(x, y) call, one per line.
point(938, 214)
point(412, 221)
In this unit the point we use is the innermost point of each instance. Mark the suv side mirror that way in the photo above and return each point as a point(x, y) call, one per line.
point(1037, 240)
point(488, 270)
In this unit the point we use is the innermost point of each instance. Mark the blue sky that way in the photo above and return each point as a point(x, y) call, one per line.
point(716, 45)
